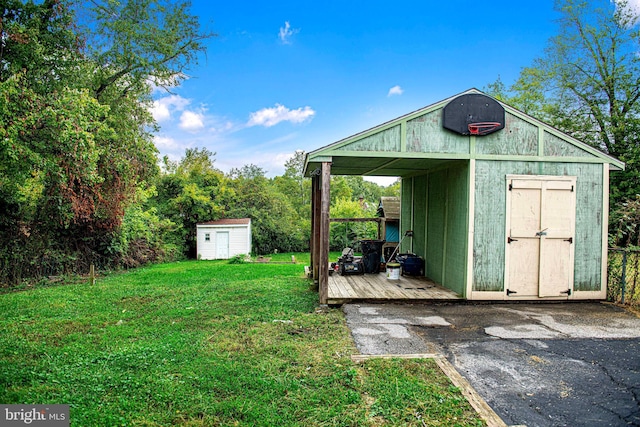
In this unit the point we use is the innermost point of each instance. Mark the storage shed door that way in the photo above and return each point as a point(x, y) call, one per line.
point(222, 245)
point(540, 230)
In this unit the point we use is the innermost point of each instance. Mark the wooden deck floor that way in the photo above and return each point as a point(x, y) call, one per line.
point(372, 287)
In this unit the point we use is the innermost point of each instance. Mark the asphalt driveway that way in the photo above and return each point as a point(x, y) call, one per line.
point(571, 364)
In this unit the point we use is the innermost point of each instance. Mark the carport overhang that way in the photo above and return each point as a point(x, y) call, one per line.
point(320, 168)
point(403, 165)
point(399, 162)
point(384, 151)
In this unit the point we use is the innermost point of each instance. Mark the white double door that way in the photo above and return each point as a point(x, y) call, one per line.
point(541, 213)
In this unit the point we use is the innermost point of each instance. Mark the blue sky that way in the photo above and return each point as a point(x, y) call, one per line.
point(297, 75)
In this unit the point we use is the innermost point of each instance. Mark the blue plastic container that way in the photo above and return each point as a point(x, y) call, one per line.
point(412, 265)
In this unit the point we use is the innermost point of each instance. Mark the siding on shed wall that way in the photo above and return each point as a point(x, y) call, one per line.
point(517, 138)
point(425, 134)
point(457, 229)
point(420, 192)
point(387, 140)
point(489, 224)
point(557, 147)
point(490, 215)
point(202, 247)
point(440, 203)
point(436, 226)
point(238, 241)
point(588, 239)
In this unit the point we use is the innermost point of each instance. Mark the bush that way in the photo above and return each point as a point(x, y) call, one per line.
point(239, 259)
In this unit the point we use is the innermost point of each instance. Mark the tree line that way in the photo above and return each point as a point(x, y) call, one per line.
point(193, 190)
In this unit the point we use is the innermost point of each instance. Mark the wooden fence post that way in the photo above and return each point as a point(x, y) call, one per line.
point(92, 275)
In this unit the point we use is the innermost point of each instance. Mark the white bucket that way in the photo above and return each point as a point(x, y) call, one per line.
point(393, 271)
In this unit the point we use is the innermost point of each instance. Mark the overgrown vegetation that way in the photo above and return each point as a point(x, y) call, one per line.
point(208, 343)
point(348, 234)
point(80, 181)
point(75, 141)
point(623, 276)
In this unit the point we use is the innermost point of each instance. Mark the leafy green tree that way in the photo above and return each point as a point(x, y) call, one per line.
point(75, 142)
point(347, 234)
point(369, 191)
point(144, 236)
point(340, 189)
point(134, 41)
point(276, 225)
point(50, 187)
point(194, 191)
point(295, 186)
point(392, 190)
point(588, 85)
point(38, 41)
point(624, 228)
point(248, 172)
point(497, 89)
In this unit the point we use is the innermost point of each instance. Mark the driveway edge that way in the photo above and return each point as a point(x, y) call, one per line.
point(475, 400)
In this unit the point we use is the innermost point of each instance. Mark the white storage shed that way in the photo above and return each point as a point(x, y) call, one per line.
point(224, 238)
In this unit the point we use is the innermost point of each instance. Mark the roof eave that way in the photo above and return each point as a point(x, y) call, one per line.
point(324, 154)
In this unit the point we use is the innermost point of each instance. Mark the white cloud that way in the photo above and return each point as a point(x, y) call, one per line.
point(165, 143)
point(268, 117)
point(273, 163)
point(223, 126)
point(396, 90)
point(191, 121)
point(160, 111)
point(163, 107)
point(286, 33)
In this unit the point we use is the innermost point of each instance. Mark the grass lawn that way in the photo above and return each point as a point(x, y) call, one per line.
point(207, 343)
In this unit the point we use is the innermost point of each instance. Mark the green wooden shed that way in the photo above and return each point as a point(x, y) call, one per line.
point(509, 209)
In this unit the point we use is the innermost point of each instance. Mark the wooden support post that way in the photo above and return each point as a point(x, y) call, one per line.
point(323, 263)
point(312, 247)
point(315, 232)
